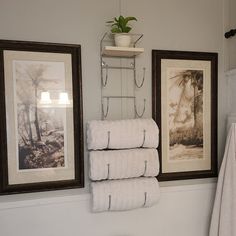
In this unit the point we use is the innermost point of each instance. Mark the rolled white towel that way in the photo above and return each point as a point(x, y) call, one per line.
point(119, 164)
point(121, 134)
point(120, 195)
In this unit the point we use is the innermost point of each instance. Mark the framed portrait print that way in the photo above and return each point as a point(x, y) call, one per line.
point(41, 131)
point(184, 105)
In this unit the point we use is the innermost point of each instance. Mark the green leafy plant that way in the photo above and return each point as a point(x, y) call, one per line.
point(120, 25)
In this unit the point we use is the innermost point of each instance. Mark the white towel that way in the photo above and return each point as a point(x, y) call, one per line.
point(231, 118)
point(122, 134)
point(223, 222)
point(119, 164)
point(119, 195)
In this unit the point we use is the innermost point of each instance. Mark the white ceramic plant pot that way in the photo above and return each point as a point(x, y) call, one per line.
point(122, 40)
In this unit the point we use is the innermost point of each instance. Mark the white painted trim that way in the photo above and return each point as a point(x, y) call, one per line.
point(231, 73)
point(187, 188)
point(43, 201)
point(86, 197)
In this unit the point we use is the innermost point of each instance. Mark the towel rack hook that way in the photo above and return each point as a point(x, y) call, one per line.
point(136, 110)
point(108, 142)
point(230, 33)
point(108, 171)
point(145, 199)
point(104, 114)
point(135, 79)
point(145, 167)
point(144, 137)
point(104, 83)
point(109, 205)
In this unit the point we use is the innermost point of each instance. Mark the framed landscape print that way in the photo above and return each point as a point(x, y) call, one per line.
point(184, 92)
point(41, 131)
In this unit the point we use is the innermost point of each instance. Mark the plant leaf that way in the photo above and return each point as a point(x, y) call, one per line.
point(129, 18)
point(121, 18)
point(115, 24)
point(116, 30)
point(122, 23)
point(127, 29)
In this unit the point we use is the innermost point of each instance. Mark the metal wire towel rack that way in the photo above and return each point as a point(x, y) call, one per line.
point(107, 51)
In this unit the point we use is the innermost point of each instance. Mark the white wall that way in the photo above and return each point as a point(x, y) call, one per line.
point(229, 50)
point(232, 41)
point(229, 44)
point(184, 209)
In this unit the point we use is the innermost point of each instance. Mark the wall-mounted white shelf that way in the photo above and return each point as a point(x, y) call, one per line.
point(112, 51)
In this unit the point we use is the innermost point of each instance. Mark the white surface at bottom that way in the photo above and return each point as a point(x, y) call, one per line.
point(182, 211)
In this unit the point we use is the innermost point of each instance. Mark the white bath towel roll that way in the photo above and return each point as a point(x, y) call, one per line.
point(121, 134)
point(120, 195)
point(119, 164)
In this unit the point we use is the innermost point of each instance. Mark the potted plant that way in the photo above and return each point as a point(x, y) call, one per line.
point(120, 28)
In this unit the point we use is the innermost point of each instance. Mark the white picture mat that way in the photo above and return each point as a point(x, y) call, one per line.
point(40, 175)
point(194, 164)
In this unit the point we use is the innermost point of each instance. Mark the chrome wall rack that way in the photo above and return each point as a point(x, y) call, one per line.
point(108, 50)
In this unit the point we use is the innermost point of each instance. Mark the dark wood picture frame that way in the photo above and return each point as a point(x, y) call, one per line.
point(74, 52)
point(157, 97)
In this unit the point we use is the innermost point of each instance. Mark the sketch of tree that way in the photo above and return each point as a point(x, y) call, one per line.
point(35, 74)
point(195, 78)
point(186, 108)
point(24, 95)
point(40, 130)
point(31, 79)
